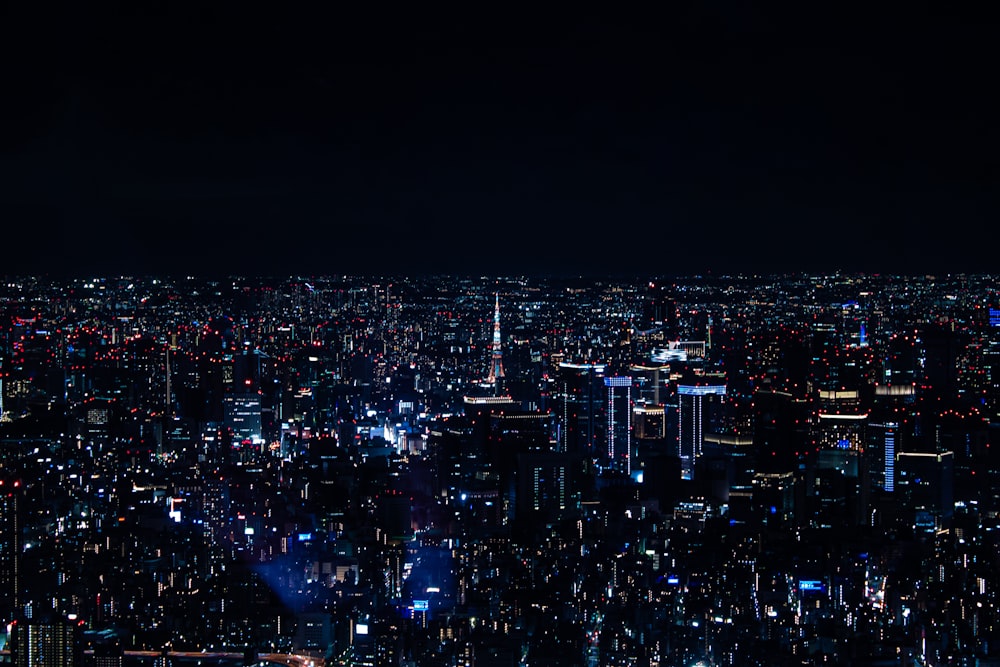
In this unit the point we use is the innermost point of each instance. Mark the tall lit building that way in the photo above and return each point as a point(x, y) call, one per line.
point(10, 549)
point(697, 407)
point(243, 416)
point(544, 486)
point(649, 422)
point(579, 407)
point(880, 454)
point(49, 643)
point(840, 420)
point(619, 416)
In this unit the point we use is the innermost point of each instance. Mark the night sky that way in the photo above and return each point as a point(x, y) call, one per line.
point(704, 138)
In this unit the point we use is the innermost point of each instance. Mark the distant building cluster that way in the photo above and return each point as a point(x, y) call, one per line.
point(723, 470)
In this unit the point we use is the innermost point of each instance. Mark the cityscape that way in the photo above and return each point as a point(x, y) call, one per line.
point(485, 471)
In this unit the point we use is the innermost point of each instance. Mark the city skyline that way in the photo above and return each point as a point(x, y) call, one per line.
point(281, 141)
point(470, 472)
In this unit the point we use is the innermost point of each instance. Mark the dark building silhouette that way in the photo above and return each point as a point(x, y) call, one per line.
point(659, 310)
point(580, 408)
point(781, 431)
point(925, 486)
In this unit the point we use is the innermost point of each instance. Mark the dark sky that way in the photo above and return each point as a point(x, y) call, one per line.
point(710, 137)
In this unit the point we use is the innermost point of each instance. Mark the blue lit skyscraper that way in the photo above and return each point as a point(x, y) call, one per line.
point(889, 450)
point(619, 415)
point(881, 454)
point(696, 404)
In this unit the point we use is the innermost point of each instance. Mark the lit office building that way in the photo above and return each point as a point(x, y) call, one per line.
point(697, 407)
point(619, 422)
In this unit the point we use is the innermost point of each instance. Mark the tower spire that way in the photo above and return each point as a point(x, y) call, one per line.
point(496, 360)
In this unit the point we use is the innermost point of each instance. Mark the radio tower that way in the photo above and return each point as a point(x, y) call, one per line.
point(496, 361)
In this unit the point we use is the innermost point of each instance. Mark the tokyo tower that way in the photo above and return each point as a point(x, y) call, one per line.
point(496, 361)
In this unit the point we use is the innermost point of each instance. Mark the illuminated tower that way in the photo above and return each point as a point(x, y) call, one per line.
point(496, 360)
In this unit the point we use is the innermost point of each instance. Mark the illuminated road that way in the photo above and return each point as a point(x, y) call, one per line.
point(289, 659)
point(292, 660)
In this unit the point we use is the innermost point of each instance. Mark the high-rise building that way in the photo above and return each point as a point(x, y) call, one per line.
point(544, 487)
point(45, 643)
point(579, 407)
point(840, 420)
point(780, 430)
point(619, 416)
point(243, 416)
point(697, 407)
point(649, 381)
point(659, 310)
point(836, 493)
point(940, 345)
point(10, 549)
point(925, 483)
point(880, 454)
point(773, 499)
point(649, 422)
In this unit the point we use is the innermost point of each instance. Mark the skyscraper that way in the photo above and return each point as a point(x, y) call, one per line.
point(579, 403)
point(545, 487)
point(45, 643)
point(10, 549)
point(619, 415)
point(696, 405)
point(925, 481)
point(243, 415)
point(880, 454)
